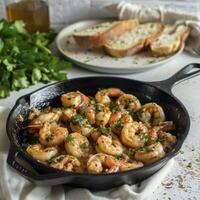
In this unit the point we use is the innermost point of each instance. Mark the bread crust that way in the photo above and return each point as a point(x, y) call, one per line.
point(125, 52)
point(95, 41)
point(172, 48)
point(136, 47)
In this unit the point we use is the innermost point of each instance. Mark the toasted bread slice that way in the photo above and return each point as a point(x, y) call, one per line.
point(167, 43)
point(133, 40)
point(99, 34)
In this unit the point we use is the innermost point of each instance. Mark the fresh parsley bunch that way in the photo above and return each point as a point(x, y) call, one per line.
point(26, 59)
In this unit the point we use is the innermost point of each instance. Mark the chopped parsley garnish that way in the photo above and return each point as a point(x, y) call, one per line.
point(50, 161)
point(152, 61)
point(114, 144)
point(50, 138)
point(60, 158)
point(189, 165)
point(139, 112)
point(146, 148)
point(55, 159)
point(98, 107)
point(131, 152)
point(136, 114)
point(84, 146)
point(119, 124)
point(164, 138)
point(102, 129)
point(119, 157)
point(181, 152)
point(77, 120)
point(83, 114)
point(144, 137)
point(69, 138)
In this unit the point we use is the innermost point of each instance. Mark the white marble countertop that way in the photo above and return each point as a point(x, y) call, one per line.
point(183, 182)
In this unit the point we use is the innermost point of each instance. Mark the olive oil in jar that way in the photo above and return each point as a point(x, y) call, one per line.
point(34, 13)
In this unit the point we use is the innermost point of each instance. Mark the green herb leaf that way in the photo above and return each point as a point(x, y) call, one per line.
point(69, 138)
point(1, 44)
point(189, 165)
point(84, 146)
point(102, 129)
point(36, 75)
point(20, 27)
point(98, 107)
point(119, 124)
point(4, 91)
point(144, 137)
point(19, 80)
point(77, 120)
point(26, 58)
point(119, 157)
point(9, 66)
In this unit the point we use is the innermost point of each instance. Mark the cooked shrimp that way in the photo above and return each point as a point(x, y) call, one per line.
point(45, 117)
point(90, 114)
point(38, 122)
point(118, 119)
point(103, 96)
point(118, 115)
point(167, 140)
point(68, 113)
point(74, 99)
point(109, 146)
point(150, 153)
point(97, 132)
point(128, 101)
point(103, 116)
point(106, 163)
point(155, 131)
point(152, 113)
point(123, 162)
point(153, 134)
point(84, 102)
point(95, 135)
point(125, 166)
point(132, 134)
point(33, 114)
point(77, 145)
point(114, 118)
point(38, 152)
point(101, 162)
point(166, 126)
point(80, 124)
point(110, 132)
point(51, 134)
point(65, 162)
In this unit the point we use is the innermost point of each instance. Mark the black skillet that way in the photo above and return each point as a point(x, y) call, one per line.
point(159, 92)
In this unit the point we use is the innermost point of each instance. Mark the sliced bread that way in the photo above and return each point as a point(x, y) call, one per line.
point(133, 40)
point(99, 34)
point(168, 43)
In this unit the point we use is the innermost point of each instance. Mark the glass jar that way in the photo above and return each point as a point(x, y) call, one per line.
point(35, 13)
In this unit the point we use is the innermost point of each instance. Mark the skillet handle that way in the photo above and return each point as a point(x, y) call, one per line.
point(33, 176)
point(185, 73)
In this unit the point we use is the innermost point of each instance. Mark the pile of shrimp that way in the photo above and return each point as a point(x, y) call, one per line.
point(110, 132)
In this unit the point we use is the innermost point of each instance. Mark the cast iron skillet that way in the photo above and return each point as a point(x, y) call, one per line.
point(159, 92)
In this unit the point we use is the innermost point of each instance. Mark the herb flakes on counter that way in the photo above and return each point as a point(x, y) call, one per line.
point(26, 59)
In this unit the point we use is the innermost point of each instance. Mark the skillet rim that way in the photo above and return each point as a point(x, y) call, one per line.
point(164, 159)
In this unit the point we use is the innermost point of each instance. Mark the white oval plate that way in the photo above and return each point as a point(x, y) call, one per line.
point(97, 60)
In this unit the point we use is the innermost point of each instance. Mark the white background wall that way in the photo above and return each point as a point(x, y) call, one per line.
point(68, 11)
